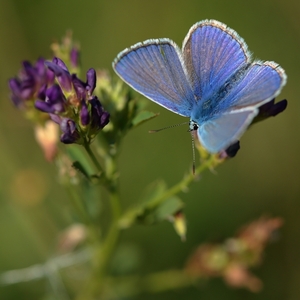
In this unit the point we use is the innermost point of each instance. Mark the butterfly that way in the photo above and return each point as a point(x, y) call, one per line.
point(212, 80)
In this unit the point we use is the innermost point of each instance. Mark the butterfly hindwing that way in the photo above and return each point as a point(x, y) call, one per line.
point(261, 83)
point(222, 131)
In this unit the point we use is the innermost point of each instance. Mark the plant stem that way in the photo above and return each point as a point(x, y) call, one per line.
point(104, 251)
point(93, 157)
point(129, 286)
point(82, 212)
point(183, 183)
point(111, 239)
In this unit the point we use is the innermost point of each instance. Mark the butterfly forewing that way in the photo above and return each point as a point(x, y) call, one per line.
point(212, 53)
point(154, 69)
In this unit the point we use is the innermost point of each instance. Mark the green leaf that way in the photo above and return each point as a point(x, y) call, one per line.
point(80, 168)
point(168, 208)
point(138, 211)
point(76, 153)
point(142, 117)
point(153, 190)
point(162, 212)
point(147, 211)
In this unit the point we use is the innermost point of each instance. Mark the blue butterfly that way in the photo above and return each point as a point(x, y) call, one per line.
point(212, 80)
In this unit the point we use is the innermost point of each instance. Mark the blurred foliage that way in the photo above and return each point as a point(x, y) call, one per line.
point(262, 178)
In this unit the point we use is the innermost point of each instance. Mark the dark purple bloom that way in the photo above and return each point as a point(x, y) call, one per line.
point(69, 103)
point(55, 101)
point(79, 87)
point(231, 151)
point(84, 114)
point(85, 89)
point(270, 109)
point(100, 117)
point(58, 67)
point(91, 79)
point(31, 82)
point(70, 133)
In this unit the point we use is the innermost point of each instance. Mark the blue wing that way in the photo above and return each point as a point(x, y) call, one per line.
point(212, 54)
point(219, 133)
point(261, 83)
point(235, 111)
point(154, 68)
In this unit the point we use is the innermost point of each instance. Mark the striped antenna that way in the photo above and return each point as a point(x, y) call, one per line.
point(172, 126)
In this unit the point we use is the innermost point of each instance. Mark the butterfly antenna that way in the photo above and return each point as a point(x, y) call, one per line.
point(193, 149)
point(172, 126)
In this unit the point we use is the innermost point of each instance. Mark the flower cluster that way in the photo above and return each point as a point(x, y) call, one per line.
point(232, 259)
point(50, 88)
point(72, 105)
point(31, 84)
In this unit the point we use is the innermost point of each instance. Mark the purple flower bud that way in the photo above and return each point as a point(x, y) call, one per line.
point(18, 102)
point(84, 114)
point(55, 118)
point(91, 79)
point(100, 118)
point(40, 67)
point(104, 119)
point(232, 150)
point(70, 133)
point(60, 63)
point(54, 103)
point(24, 87)
point(31, 82)
point(15, 86)
point(270, 109)
point(42, 92)
point(79, 87)
point(74, 57)
point(58, 67)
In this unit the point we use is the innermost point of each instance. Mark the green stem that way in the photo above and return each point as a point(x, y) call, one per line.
point(157, 282)
point(183, 183)
point(82, 212)
point(93, 157)
point(104, 251)
point(111, 239)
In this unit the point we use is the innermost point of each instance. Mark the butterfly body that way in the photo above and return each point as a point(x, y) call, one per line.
point(212, 80)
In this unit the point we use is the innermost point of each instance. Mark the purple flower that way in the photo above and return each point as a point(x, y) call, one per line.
point(91, 79)
point(270, 109)
point(72, 105)
point(79, 87)
point(99, 117)
point(84, 114)
point(31, 83)
point(231, 151)
point(54, 102)
point(61, 72)
point(69, 103)
point(70, 134)
point(85, 89)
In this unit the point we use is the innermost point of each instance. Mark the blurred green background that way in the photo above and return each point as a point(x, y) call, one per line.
point(262, 179)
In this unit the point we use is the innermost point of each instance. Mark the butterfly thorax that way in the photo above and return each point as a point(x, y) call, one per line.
point(202, 111)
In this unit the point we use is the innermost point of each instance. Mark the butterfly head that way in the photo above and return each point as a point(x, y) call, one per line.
point(193, 125)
